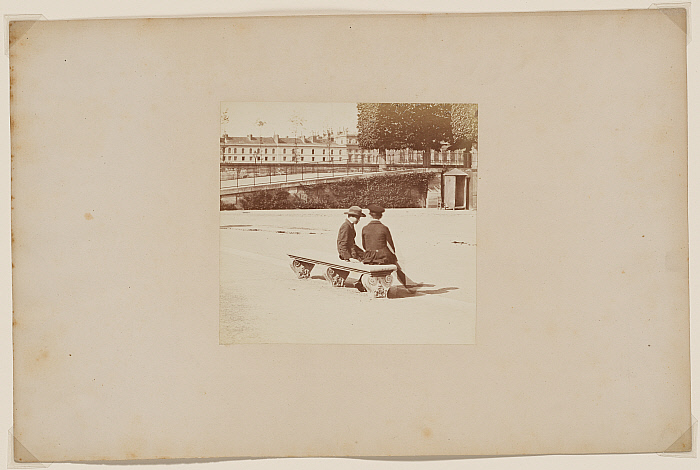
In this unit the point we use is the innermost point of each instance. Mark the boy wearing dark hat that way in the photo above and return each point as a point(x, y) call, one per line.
point(376, 239)
point(347, 249)
point(379, 246)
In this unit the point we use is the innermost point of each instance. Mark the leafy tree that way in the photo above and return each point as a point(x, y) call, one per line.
point(224, 120)
point(298, 122)
point(426, 127)
point(371, 126)
point(465, 125)
point(420, 126)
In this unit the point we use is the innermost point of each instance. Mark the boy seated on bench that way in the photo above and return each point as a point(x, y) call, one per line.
point(376, 239)
point(347, 249)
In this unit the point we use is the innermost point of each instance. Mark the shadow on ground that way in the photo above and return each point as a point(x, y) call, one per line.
point(399, 291)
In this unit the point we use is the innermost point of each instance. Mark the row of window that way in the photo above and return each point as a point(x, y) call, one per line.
point(284, 159)
point(227, 158)
point(250, 151)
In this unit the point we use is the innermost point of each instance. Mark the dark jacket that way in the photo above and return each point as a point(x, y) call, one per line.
point(376, 240)
point(346, 242)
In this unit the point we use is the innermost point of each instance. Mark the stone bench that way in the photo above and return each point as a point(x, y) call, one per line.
point(376, 279)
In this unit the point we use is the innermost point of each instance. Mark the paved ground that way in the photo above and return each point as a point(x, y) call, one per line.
point(261, 300)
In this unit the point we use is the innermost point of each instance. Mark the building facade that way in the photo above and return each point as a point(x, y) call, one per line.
point(263, 156)
point(326, 148)
point(338, 148)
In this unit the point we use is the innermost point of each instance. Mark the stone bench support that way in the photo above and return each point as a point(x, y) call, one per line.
point(376, 279)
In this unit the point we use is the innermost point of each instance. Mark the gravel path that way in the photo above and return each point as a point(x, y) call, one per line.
point(261, 300)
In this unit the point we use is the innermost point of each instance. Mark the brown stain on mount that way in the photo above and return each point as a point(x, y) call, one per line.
point(427, 433)
point(88, 216)
point(42, 356)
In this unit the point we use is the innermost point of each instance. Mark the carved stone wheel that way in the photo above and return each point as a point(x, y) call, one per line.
point(335, 277)
point(377, 287)
point(302, 270)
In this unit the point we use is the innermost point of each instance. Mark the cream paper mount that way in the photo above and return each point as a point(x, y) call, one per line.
point(582, 264)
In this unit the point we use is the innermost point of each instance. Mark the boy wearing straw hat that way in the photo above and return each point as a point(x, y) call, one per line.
point(347, 249)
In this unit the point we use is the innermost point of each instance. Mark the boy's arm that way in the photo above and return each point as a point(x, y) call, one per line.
point(390, 241)
point(343, 248)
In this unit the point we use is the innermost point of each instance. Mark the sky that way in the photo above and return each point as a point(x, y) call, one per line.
point(242, 118)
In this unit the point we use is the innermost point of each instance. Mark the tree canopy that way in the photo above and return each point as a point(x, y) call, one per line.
point(465, 124)
point(419, 126)
point(403, 125)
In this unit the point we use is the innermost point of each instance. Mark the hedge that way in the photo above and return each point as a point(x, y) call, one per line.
point(388, 190)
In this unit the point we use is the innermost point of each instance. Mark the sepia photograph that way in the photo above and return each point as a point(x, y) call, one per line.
point(350, 223)
point(384, 279)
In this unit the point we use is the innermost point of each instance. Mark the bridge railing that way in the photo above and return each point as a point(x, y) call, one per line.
point(252, 174)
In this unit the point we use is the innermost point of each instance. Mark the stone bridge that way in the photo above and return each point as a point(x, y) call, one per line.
point(249, 184)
